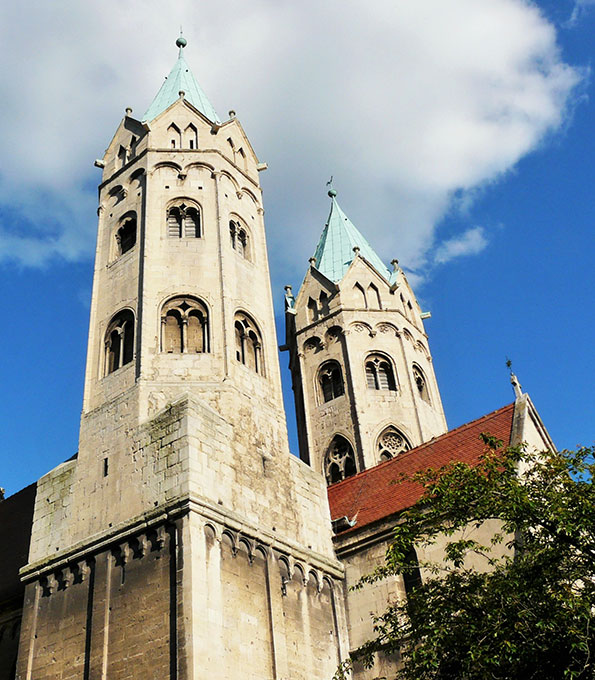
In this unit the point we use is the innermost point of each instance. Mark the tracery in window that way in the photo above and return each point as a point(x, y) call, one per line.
point(248, 343)
point(183, 221)
point(239, 239)
point(119, 341)
point(330, 380)
point(184, 326)
point(390, 443)
point(339, 462)
point(126, 234)
point(420, 383)
point(379, 373)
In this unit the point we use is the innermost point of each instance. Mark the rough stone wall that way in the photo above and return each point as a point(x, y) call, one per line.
point(112, 613)
point(262, 608)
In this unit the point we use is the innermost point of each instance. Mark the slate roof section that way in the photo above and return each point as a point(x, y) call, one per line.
point(334, 252)
point(181, 78)
point(374, 494)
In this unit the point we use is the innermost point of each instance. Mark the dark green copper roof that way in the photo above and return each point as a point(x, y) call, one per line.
point(334, 252)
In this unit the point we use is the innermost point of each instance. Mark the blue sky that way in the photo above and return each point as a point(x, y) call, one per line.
point(460, 136)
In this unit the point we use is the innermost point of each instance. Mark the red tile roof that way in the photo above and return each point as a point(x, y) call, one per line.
point(373, 495)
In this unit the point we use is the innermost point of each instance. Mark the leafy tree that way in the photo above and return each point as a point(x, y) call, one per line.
point(529, 613)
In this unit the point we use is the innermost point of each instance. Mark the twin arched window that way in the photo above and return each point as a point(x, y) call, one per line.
point(184, 326)
point(390, 443)
point(239, 239)
point(380, 374)
point(330, 379)
point(183, 221)
point(119, 341)
point(339, 462)
point(248, 343)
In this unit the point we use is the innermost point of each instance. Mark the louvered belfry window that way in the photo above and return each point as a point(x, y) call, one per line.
point(183, 221)
point(379, 373)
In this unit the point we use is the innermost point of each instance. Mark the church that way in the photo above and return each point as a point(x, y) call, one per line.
point(184, 540)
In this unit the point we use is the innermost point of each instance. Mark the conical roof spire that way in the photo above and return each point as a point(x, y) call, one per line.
point(335, 250)
point(180, 80)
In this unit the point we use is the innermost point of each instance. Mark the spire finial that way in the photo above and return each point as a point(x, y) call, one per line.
point(331, 192)
point(181, 42)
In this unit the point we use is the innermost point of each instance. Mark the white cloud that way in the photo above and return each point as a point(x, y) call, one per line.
point(407, 104)
point(471, 242)
point(580, 7)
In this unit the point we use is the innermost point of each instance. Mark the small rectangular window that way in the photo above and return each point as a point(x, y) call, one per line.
point(105, 467)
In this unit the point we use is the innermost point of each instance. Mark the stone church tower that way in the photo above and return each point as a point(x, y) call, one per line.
point(362, 374)
point(184, 541)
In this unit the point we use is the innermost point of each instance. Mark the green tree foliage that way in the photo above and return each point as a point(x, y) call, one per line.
point(528, 613)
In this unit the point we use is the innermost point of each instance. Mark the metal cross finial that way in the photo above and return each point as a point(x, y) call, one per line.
point(514, 381)
point(181, 42)
point(331, 192)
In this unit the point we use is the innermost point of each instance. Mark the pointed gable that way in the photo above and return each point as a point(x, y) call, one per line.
point(334, 252)
point(181, 79)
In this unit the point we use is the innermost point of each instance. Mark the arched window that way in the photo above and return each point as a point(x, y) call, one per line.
point(411, 574)
point(241, 161)
point(324, 304)
point(126, 234)
point(248, 343)
point(312, 309)
point(390, 443)
point(379, 373)
point(330, 379)
point(191, 136)
point(420, 383)
point(360, 296)
point(239, 239)
point(119, 341)
point(175, 136)
point(339, 462)
point(184, 326)
point(122, 156)
point(374, 297)
point(174, 223)
point(183, 221)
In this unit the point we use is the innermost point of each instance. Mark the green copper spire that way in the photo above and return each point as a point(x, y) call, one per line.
point(335, 253)
point(181, 80)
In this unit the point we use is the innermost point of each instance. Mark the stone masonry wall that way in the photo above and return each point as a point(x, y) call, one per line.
point(109, 614)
